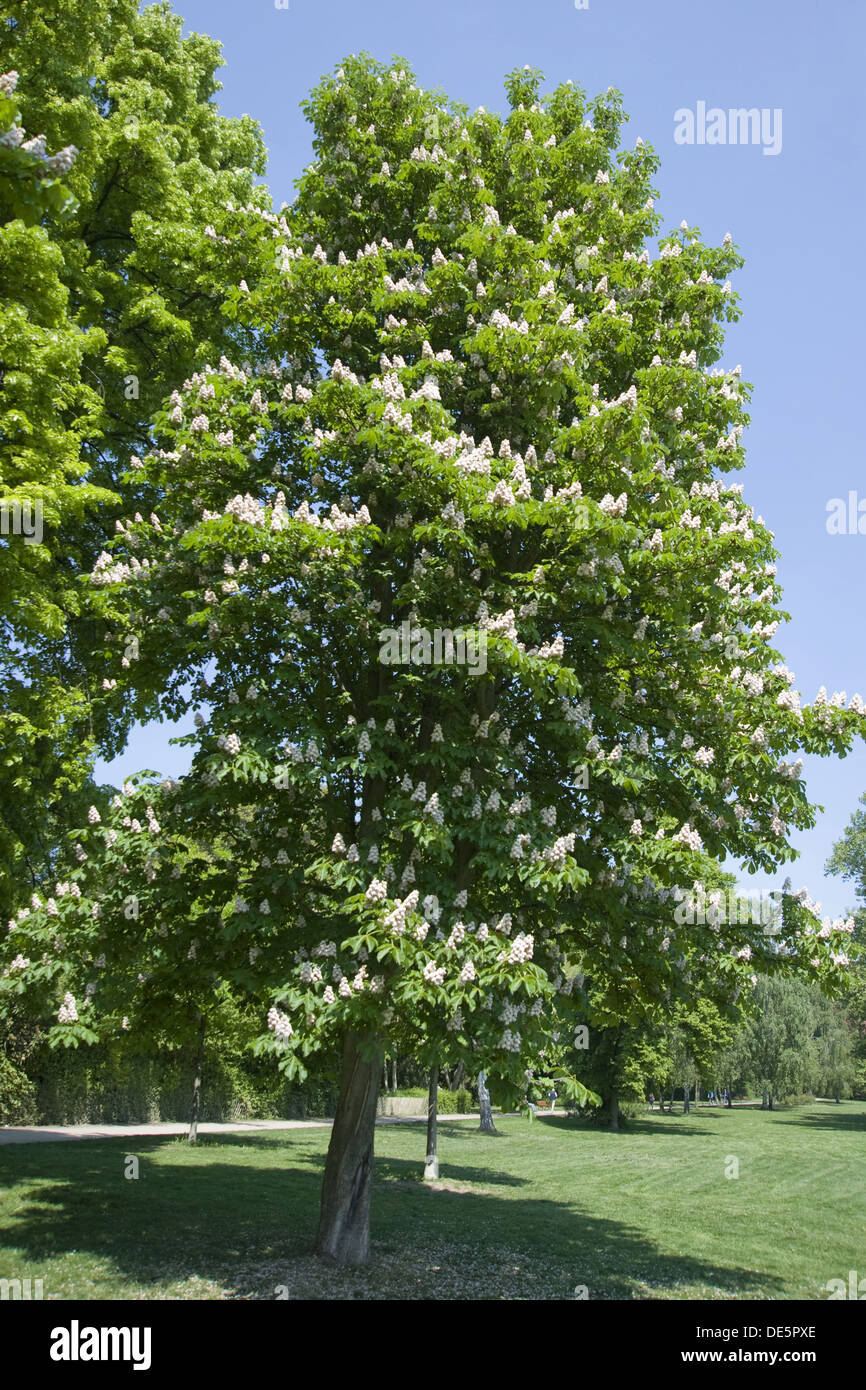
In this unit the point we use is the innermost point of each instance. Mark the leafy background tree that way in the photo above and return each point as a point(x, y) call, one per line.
point(790, 1042)
point(849, 860)
point(113, 293)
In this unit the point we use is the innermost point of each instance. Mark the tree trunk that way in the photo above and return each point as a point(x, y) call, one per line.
point(771, 1100)
point(344, 1222)
point(192, 1137)
point(764, 1100)
point(613, 1112)
point(459, 1077)
point(686, 1099)
point(431, 1165)
point(486, 1126)
point(394, 1075)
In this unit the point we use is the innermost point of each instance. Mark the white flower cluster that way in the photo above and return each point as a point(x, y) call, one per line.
point(522, 948)
point(554, 648)
point(19, 963)
point(325, 948)
point(107, 571)
point(501, 495)
point(458, 931)
point(246, 509)
point(395, 920)
point(505, 623)
point(67, 1013)
point(687, 836)
point(435, 974)
point(555, 853)
point(279, 1023)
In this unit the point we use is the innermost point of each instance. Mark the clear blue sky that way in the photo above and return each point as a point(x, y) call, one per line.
point(797, 216)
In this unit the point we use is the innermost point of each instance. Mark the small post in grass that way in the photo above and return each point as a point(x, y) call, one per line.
point(431, 1166)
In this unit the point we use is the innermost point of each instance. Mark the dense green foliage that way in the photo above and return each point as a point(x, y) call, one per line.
point(110, 292)
point(418, 831)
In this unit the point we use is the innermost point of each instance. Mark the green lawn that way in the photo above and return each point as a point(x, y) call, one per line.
point(532, 1213)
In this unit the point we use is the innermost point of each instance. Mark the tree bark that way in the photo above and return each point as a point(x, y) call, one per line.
point(192, 1137)
point(431, 1165)
point(686, 1100)
point(459, 1078)
point(764, 1100)
point(486, 1126)
point(344, 1222)
point(613, 1112)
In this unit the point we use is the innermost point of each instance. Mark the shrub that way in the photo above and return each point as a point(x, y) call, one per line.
point(454, 1102)
point(17, 1095)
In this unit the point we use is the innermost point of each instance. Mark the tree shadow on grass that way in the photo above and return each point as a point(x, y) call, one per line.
point(836, 1120)
point(673, 1124)
point(229, 1225)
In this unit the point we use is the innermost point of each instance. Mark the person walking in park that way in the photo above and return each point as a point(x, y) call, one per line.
point(652, 1101)
point(552, 1098)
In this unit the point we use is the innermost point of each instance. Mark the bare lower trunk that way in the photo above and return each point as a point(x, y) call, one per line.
point(613, 1112)
point(764, 1100)
point(486, 1126)
point(431, 1165)
point(344, 1223)
point(192, 1137)
point(686, 1099)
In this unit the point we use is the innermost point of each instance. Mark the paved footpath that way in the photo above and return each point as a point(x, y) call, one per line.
point(40, 1134)
point(53, 1134)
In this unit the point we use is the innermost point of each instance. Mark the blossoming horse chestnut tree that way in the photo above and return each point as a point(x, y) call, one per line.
point(481, 403)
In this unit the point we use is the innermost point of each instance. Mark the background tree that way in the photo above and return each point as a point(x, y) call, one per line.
point(112, 293)
point(849, 861)
point(788, 1041)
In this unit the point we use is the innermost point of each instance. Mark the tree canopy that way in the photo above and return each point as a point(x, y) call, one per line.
point(473, 403)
